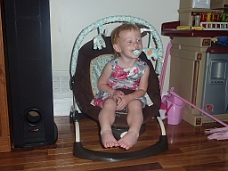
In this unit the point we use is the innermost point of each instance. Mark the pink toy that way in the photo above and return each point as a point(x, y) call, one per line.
point(162, 76)
point(175, 110)
point(216, 133)
point(163, 108)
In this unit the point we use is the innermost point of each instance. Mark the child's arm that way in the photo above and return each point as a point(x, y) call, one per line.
point(103, 80)
point(142, 85)
point(138, 93)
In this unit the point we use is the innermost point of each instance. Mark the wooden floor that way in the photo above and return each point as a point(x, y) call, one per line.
point(188, 150)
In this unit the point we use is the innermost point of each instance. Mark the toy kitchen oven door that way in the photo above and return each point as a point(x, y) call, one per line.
point(215, 89)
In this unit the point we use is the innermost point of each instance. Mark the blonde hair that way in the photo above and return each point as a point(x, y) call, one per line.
point(116, 33)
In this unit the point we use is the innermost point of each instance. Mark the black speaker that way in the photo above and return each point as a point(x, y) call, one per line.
point(28, 54)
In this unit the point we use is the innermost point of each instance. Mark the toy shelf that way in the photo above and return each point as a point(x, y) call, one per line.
point(169, 29)
point(214, 25)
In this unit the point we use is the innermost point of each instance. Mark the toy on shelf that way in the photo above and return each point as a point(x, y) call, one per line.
point(223, 17)
point(203, 18)
point(220, 41)
point(197, 20)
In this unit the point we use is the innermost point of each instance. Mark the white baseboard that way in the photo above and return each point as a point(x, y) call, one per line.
point(62, 106)
point(62, 95)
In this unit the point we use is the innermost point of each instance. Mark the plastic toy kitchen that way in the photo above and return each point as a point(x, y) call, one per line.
point(199, 58)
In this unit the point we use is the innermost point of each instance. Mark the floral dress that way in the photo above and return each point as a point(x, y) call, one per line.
point(125, 78)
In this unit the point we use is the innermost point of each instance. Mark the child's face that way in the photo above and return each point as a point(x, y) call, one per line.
point(128, 42)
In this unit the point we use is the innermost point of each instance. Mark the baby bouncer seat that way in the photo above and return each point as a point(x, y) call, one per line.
point(87, 62)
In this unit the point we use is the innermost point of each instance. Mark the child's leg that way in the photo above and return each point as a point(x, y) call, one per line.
point(134, 120)
point(106, 119)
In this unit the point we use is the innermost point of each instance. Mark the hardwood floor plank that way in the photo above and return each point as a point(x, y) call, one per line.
point(186, 160)
point(141, 167)
point(218, 166)
point(14, 167)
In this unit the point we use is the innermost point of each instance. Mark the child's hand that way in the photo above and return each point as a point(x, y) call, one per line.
point(124, 100)
point(116, 95)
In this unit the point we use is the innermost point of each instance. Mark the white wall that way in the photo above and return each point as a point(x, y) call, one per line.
point(69, 17)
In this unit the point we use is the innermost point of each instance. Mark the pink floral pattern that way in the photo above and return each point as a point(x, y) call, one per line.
point(127, 78)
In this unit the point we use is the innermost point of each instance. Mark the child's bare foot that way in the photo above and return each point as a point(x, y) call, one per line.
point(108, 139)
point(128, 140)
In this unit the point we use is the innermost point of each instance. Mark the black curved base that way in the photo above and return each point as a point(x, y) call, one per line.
point(81, 152)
